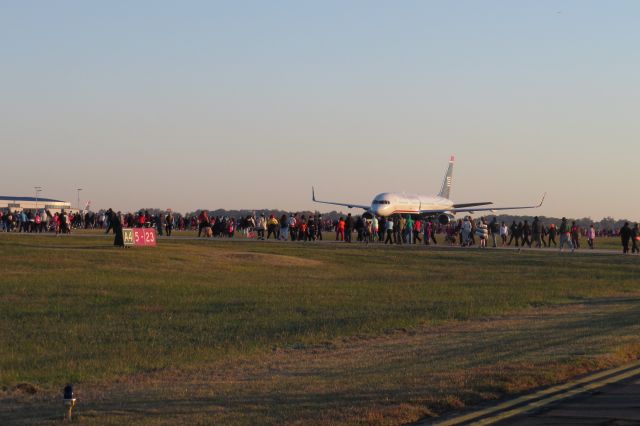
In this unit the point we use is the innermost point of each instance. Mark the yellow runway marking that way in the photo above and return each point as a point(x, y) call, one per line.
point(583, 385)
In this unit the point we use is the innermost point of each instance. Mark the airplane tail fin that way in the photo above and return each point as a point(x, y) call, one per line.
point(446, 183)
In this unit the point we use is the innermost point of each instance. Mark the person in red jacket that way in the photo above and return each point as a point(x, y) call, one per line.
point(141, 220)
point(417, 227)
point(340, 230)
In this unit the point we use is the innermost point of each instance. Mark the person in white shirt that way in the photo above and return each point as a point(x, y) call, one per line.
point(262, 226)
point(504, 233)
point(374, 228)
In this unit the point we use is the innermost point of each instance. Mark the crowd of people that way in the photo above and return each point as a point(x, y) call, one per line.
point(396, 229)
point(37, 221)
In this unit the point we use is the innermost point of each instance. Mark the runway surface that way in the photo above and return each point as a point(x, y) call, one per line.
point(615, 404)
point(608, 397)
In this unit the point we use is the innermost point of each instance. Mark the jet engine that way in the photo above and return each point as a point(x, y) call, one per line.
point(445, 218)
point(367, 215)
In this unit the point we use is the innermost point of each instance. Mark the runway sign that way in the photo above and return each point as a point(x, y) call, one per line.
point(128, 236)
point(149, 237)
point(139, 236)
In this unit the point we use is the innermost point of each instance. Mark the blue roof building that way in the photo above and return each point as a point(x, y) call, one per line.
point(14, 203)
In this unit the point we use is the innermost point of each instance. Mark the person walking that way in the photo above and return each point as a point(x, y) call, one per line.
point(312, 228)
point(494, 231)
point(399, 229)
point(536, 232)
point(64, 223)
point(526, 234)
point(389, 229)
point(375, 228)
point(408, 230)
point(427, 232)
point(565, 235)
point(272, 227)
point(625, 236)
point(262, 226)
point(417, 227)
point(472, 234)
point(575, 235)
point(465, 232)
point(348, 228)
point(367, 237)
point(504, 233)
point(203, 220)
point(319, 225)
point(591, 236)
point(382, 228)
point(115, 221)
point(635, 239)
point(284, 228)
point(168, 223)
point(545, 232)
point(302, 228)
point(293, 226)
point(482, 231)
point(514, 231)
point(552, 235)
point(340, 227)
point(360, 229)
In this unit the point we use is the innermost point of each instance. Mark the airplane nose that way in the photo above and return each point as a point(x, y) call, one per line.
point(379, 210)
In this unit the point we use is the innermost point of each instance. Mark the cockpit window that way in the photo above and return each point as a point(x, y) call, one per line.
point(381, 202)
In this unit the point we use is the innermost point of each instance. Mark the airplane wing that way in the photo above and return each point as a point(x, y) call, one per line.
point(483, 203)
point(313, 197)
point(470, 209)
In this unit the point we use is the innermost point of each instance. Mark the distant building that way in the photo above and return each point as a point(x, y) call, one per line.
point(18, 204)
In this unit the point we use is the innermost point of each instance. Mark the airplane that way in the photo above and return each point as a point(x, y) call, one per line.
point(439, 206)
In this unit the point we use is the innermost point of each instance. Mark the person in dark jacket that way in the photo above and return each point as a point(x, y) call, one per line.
point(635, 234)
point(520, 234)
point(109, 216)
point(494, 230)
point(565, 235)
point(118, 241)
point(168, 224)
point(552, 232)
point(625, 235)
point(536, 232)
point(348, 228)
point(526, 234)
point(575, 235)
point(360, 228)
point(514, 232)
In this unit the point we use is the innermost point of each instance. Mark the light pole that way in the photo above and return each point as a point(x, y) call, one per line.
point(79, 189)
point(38, 190)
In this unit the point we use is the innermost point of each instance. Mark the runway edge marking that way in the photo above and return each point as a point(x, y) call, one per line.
point(588, 382)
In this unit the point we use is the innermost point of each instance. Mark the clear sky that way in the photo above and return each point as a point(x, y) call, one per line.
point(246, 104)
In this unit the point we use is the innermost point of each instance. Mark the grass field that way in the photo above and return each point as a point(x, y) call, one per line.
point(236, 332)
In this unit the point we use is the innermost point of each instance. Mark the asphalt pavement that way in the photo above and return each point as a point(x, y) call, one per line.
point(614, 404)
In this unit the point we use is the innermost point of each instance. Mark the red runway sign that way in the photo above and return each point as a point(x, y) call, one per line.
point(139, 236)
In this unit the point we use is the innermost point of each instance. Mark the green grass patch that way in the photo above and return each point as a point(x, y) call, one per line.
point(77, 309)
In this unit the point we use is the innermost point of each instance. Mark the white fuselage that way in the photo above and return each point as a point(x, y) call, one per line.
point(389, 203)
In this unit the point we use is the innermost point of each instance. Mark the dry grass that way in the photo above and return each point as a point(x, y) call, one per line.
point(401, 376)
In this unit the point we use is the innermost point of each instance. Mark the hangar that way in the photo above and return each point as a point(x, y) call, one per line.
point(17, 204)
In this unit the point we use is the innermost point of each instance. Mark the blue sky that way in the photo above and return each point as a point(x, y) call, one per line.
point(247, 104)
